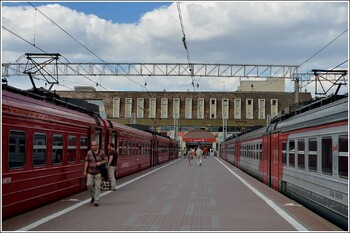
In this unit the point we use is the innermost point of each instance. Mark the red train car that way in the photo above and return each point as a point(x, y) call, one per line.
point(44, 144)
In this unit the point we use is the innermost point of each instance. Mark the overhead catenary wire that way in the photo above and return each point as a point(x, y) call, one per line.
point(185, 45)
point(15, 34)
point(91, 53)
point(71, 36)
point(323, 48)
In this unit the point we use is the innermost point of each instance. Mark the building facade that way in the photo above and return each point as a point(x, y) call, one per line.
point(179, 112)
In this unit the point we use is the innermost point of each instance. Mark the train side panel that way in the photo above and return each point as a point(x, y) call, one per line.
point(315, 171)
point(42, 154)
point(305, 156)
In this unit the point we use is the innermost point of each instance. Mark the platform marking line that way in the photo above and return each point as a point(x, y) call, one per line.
point(64, 211)
point(275, 207)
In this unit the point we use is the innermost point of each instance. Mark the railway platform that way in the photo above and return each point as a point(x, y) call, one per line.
point(176, 196)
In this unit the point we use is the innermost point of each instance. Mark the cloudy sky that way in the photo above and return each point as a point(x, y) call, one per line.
point(311, 34)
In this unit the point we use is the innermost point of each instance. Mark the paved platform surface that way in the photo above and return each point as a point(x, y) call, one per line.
point(177, 197)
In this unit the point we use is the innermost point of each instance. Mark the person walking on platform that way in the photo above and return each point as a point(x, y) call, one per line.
point(199, 155)
point(189, 156)
point(205, 152)
point(94, 158)
point(112, 165)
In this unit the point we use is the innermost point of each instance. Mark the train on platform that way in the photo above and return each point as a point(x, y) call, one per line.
point(45, 139)
point(302, 154)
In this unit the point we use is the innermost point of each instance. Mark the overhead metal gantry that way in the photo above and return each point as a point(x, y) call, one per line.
point(155, 69)
point(49, 66)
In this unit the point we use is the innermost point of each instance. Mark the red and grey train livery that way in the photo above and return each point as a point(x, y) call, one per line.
point(303, 154)
point(45, 141)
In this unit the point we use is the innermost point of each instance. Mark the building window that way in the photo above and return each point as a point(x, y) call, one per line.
point(200, 108)
point(225, 108)
point(249, 109)
point(176, 108)
point(212, 108)
point(274, 107)
point(152, 108)
point(261, 109)
point(140, 107)
point(101, 107)
point(116, 107)
point(237, 109)
point(128, 107)
point(164, 108)
point(188, 108)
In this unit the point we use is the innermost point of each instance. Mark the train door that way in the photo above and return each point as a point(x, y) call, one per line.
point(113, 139)
point(266, 158)
point(170, 151)
point(274, 161)
point(96, 134)
point(153, 155)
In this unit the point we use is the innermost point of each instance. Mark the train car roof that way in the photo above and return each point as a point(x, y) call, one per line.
point(327, 110)
point(51, 104)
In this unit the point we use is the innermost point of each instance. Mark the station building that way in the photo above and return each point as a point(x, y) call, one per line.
point(178, 113)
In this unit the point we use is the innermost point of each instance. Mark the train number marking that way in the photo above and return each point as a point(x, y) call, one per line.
point(125, 164)
point(6, 180)
point(336, 195)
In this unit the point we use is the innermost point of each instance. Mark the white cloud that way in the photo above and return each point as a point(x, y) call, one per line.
point(216, 32)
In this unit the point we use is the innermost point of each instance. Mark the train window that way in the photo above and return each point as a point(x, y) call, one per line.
point(343, 156)
point(260, 151)
point(120, 148)
point(129, 148)
point(83, 148)
point(17, 148)
point(57, 148)
point(313, 154)
point(292, 153)
point(114, 139)
point(134, 148)
point(125, 147)
point(284, 153)
point(327, 155)
point(72, 149)
point(301, 154)
point(139, 149)
point(39, 149)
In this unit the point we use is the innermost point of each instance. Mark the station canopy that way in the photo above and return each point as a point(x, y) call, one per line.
point(199, 135)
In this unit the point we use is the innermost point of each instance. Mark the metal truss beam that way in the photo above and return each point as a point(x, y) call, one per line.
point(157, 69)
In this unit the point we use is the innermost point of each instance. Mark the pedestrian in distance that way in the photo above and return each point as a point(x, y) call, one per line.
point(205, 152)
point(189, 156)
point(199, 155)
point(94, 158)
point(112, 165)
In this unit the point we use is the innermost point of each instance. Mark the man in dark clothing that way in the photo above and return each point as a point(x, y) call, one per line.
point(112, 165)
